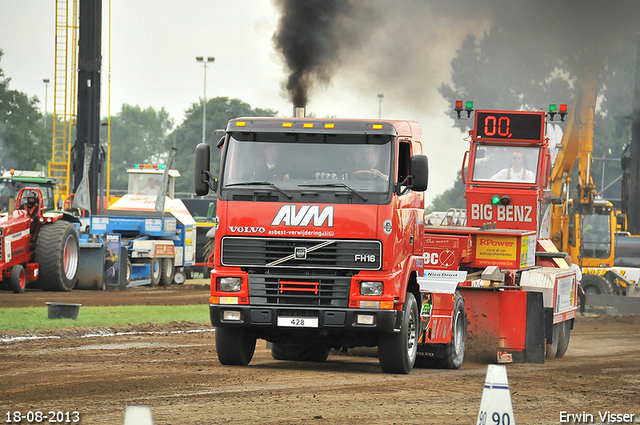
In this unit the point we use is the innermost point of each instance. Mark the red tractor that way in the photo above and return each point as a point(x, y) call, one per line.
point(35, 245)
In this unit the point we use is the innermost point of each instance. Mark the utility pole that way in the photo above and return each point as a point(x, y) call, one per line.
point(201, 59)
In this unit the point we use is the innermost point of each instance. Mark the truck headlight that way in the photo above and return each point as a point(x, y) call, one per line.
point(370, 288)
point(229, 284)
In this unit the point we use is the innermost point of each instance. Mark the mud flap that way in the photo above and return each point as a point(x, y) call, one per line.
point(535, 329)
point(91, 266)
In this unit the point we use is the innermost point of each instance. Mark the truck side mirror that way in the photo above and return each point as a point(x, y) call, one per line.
point(202, 169)
point(419, 170)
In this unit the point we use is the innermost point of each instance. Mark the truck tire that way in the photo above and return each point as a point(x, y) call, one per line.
point(168, 271)
point(235, 346)
point(448, 356)
point(563, 340)
point(128, 272)
point(300, 353)
point(552, 348)
point(454, 351)
point(57, 253)
point(595, 285)
point(18, 279)
point(156, 271)
point(397, 351)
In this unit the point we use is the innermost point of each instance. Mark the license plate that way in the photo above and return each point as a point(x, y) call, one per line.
point(298, 322)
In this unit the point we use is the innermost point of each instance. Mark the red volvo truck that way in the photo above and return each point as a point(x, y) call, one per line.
point(321, 243)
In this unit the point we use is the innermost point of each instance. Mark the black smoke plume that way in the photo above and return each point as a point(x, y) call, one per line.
point(311, 36)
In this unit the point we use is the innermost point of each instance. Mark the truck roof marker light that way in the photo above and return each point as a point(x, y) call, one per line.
point(307, 125)
point(377, 126)
point(505, 200)
point(563, 111)
point(329, 125)
point(287, 124)
point(458, 108)
point(495, 199)
point(468, 106)
point(241, 123)
point(553, 110)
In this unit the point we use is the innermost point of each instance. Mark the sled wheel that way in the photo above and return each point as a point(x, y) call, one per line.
point(167, 272)
point(595, 285)
point(563, 341)
point(156, 271)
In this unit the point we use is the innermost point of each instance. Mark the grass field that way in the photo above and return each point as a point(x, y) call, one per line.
point(34, 318)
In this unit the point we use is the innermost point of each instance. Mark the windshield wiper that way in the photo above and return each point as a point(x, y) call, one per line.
point(260, 184)
point(335, 185)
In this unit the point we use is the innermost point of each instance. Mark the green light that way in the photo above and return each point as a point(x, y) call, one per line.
point(495, 199)
point(553, 107)
point(137, 166)
point(161, 167)
point(469, 104)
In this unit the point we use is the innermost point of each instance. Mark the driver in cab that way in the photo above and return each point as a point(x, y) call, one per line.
point(516, 172)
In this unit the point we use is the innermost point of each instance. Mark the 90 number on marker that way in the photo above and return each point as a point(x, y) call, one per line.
point(495, 418)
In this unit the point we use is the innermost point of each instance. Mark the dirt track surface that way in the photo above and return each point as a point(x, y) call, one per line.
point(173, 369)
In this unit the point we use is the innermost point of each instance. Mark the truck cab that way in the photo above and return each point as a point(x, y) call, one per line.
point(317, 224)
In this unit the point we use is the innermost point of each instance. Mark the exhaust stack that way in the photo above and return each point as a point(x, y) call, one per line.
point(298, 112)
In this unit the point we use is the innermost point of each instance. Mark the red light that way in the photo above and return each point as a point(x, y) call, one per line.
point(458, 104)
point(563, 108)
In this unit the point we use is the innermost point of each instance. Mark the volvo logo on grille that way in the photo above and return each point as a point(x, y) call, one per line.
point(300, 253)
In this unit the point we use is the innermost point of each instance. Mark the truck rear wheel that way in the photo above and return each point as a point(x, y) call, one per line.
point(168, 270)
point(300, 353)
point(57, 253)
point(454, 351)
point(235, 346)
point(595, 285)
point(18, 279)
point(397, 351)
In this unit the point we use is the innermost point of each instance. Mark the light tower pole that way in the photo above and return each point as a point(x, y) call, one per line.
point(380, 96)
point(204, 61)
point(46, 91)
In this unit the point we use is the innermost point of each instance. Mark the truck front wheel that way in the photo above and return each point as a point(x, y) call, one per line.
point(235, 346)
point(397, 351)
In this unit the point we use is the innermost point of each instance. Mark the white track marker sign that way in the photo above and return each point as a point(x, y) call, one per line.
point(137, 415)
point(495, 406)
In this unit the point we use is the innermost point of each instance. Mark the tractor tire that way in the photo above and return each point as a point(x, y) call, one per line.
point(57, 253)
point(300, 353)
point(168, 270)
point(397, 351)
point(595, 285)
point(208, 251)
point(18, 279)
point(235, 346)
point(563, 341)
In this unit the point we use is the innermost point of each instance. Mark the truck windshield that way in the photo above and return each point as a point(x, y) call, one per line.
point(596, 235)
point(507, 164)
point(293, 161)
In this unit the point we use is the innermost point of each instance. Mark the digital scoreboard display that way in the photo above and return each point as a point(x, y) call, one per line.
point(512, 126)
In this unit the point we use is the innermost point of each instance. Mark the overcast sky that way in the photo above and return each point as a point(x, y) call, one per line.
point(154, 44)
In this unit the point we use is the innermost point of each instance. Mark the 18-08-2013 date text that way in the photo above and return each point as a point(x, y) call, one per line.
point(39, 417)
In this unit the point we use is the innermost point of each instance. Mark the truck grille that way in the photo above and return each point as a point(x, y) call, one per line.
point(299, 289)
point(302, 253)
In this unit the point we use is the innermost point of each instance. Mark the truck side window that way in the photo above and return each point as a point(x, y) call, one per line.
point(404, 158)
